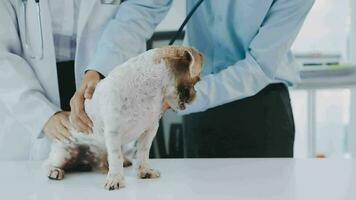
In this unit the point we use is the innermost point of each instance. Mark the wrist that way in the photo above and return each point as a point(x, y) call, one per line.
point(94, 74)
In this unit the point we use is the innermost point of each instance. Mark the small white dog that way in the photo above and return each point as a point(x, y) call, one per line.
point(126, 106)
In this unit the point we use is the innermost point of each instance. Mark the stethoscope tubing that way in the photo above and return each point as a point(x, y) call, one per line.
point(190, 14)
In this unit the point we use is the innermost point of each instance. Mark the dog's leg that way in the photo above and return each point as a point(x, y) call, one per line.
point(127, 161)
point(144, 143)
point(56, 161)
point(115, 178)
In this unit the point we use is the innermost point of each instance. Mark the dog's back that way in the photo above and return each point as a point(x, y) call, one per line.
point(132, 92)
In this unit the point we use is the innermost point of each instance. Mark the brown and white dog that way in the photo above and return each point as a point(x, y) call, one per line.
point(127, 106)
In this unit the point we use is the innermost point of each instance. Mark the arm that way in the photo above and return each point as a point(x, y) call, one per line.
point(247, 77)
point(124, 37)
point(20, 91)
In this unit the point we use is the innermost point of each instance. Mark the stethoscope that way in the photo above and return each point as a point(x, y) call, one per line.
point(190, 14)
point(28, 47)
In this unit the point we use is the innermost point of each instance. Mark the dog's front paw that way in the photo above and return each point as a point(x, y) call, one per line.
point(114, 182)
point(56, 174)
point(147, 173)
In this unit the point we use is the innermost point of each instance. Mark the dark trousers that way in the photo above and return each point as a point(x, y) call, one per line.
point(66, 83)
point(258, 126)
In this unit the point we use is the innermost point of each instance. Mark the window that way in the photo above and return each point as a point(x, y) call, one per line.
point(326, 29)
point(332, 121)
point(322, 114)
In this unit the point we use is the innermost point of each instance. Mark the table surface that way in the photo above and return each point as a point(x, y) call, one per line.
point(186, 179)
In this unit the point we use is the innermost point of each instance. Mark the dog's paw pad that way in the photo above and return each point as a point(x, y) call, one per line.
point(114, 182)
point(56, 174)
point(148, 173)
point(127, 163)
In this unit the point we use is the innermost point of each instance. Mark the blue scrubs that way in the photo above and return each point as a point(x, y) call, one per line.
point(248, 65)
point(246, 44)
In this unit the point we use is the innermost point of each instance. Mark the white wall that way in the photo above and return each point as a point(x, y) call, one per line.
point(352, 58)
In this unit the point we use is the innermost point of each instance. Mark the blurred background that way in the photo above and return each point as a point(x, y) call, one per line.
point(324, 103)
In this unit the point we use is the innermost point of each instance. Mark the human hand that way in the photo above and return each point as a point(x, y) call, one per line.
point(165, 106)
point(57, 127)
point(78, 116)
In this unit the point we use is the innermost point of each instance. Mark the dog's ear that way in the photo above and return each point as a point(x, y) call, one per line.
point(194, 66)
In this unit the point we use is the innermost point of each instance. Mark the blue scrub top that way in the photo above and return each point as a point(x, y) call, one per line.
point(246, 44)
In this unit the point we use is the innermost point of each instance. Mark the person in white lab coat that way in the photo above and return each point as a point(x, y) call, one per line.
point(39, 38)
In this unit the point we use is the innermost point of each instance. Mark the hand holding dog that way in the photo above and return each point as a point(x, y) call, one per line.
point(165, 106)
point(125, 107)
point(57, 127)
point(78, 116)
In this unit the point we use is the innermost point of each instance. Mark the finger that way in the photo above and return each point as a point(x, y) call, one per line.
point(84, 124)
point(76, 123)
point(89, 91)
point(85, 119)
point(78, 97)
point(52, 135)
point(63, 139)
point(60, 138)
point(80, 112)
point(56, 139)
point(81, 126)
point(68, 126)
point(63, 134)
point(64, 131)
point(66, 123)
point(165, 106)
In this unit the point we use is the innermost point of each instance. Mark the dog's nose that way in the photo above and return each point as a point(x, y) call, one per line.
point(184, 94)
point(181, 105)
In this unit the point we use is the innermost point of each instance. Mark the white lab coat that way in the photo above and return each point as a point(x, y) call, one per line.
point(28, 84)
point(28, 79)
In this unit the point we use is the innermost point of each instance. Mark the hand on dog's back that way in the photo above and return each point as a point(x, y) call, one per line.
point(79, 117)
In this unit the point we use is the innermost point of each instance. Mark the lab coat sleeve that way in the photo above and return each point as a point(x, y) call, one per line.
point(20, 90)
point(125, 36)
point(248, 76)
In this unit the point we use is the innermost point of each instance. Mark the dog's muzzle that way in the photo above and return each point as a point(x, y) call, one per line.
point(184, 97)
point(181, 105)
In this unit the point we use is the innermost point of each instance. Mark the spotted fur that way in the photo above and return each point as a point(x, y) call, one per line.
point(127, 106)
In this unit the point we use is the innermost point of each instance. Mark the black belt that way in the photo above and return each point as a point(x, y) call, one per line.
point(66, 83)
